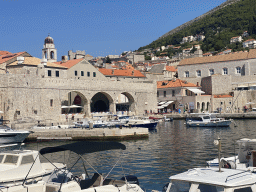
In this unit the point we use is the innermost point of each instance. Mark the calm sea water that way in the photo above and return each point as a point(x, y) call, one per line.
point(171, 149)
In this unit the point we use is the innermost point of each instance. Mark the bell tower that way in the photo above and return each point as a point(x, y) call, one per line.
point(49, 52)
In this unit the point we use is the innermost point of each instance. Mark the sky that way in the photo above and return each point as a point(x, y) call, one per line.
point(100, 27)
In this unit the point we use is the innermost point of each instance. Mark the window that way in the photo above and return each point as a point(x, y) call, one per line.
point(52, 55)
point(164, 93)
point(198, 73)
point(94, 74)
point(225, 71)
point(35, 111)
point(88, 74)
point(57, 73)
point(51, 102)
point(173, 93)
point(75, 73)
point(82, 73)
point(157, 94)
point(238, 70)
point(221, 103)
point(247, 189)
point(49, 73)
point(27, 159)
point(211, 71)
point(1, 158)
point(11, 159)
point(186, 73)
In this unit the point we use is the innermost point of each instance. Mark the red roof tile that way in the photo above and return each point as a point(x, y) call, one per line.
point(220, 58)
point(4, 58)
point(119, 72)
point(5, 53)
point(170, 68)
point(221, 96)
point(174, 83)
point(69, 63)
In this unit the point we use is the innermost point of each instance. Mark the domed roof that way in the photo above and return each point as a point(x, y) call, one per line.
point(48, 40)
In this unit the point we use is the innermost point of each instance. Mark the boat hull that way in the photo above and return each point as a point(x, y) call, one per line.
point(13, 137)
point(146, 125)
point(209, 124)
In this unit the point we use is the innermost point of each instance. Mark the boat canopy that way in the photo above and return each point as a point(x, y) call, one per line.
point(83, 147)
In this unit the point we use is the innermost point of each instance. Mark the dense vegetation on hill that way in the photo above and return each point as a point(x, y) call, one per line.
point(218, 28)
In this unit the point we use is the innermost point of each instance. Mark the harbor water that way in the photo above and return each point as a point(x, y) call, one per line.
point(170, 149)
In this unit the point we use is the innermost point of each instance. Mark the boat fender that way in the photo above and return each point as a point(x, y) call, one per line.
point(132, 179)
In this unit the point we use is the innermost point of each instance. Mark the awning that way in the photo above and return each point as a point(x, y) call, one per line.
point(160, 107)
point(165, 104)
point(83, 147)
point(195, 90)
point(71, 106)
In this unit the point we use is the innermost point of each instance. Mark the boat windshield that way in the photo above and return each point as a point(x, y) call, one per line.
point(11, 159)
point(183, 186)
point(206, 117)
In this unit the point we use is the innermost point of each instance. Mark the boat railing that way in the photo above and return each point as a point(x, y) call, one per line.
point(235, 175)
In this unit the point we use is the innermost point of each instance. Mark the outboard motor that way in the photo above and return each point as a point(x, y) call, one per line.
point(131, 179)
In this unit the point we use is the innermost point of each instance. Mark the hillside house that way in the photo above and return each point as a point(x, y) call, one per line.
point(236, 39)
point(251, 43)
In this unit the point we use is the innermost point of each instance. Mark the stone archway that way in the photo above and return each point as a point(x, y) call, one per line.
point(102, 102)
point(76, 102)
point(125, 102)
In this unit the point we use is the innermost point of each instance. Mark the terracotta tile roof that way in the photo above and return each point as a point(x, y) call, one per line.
point(221, 96)
point(220, 58)
point(172, 83)
point(249, 40)
point(35, 61)
point(4, 58)
point(5, 53)
point(119, 72)
point(170, 68)
point(69, 63)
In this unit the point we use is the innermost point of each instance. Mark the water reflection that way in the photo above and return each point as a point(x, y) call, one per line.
point(170, 149)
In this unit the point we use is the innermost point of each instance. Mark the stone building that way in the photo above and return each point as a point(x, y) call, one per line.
point(176, 93)
point(229, 78)
point(33, 90)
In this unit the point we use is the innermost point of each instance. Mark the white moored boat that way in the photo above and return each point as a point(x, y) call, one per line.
point(8, 135)
point(244, 160)
point(17, 165)
point(207, 120)
point(62, 180)
point(212, 180)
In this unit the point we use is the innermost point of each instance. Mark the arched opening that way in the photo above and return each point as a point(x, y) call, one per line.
point(125, 103)
point(52, 55)
point(203, 107)
point(75, 103)
point(208, 106)
point(45, 55)
point(101, 102)
point(198, 106)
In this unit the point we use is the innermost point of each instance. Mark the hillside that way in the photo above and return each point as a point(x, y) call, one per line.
point(219, 25)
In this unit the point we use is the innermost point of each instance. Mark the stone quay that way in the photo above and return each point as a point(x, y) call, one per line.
point(75, 134)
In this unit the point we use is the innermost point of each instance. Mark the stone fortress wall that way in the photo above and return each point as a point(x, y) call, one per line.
point(27, 97)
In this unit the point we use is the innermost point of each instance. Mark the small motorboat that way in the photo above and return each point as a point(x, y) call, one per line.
point(141, 122)
point(207, 120)
point(244, 160)
point(211, 179)
point(63, 180)
point(17, 165)
point(8, 135)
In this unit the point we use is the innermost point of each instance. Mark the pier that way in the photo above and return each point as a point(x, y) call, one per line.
point(76, 134)
point(177, 116)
